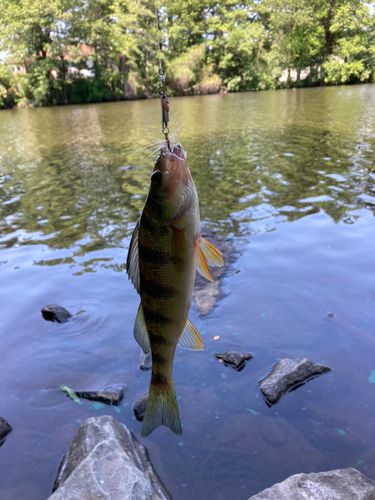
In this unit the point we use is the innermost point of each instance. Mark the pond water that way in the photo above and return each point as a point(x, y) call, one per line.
point(287, 178)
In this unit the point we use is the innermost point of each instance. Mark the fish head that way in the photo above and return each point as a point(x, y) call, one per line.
point(172, 186)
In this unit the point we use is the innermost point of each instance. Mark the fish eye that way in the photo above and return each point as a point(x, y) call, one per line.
point(156, 176)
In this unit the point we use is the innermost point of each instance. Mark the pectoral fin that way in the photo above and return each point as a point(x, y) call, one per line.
point(132, 262)
point(212, 254)
point(207, 255)
point(140, 331)
point(186, 199)
point(190, 338)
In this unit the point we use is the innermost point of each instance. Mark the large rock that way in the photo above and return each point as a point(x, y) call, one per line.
point(53, 312)
point(5, 428)
point(106, 462)
point(288, 374)
point(340, 484)
point(206, 292)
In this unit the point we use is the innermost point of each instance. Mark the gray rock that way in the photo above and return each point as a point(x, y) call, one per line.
point(112, 398)
point(206, 292)
point(340, 484)
point(106, 462)
point(5, 428)
point(146, 361)
point(288, 374)
point(53, 312)
point(126, 167)
point(236, 360)
point(139, 407)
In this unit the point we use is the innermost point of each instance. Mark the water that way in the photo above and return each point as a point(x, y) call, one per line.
point(287, 179)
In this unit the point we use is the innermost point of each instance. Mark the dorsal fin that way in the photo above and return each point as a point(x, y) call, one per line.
point(140, 331)
point(190, 338)
point(132, 262)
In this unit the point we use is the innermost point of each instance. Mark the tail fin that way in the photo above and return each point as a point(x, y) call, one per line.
point(162, 409)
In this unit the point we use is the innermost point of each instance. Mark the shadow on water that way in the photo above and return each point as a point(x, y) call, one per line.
point(287, 179)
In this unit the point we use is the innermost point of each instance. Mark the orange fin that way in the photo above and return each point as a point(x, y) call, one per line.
point(201, 265)
point(212, 254)
point(207, 255)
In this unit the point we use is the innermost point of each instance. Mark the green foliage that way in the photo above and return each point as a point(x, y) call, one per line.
point(210, 82)
point(75, 51)
point(184, 71)
point(83, 90)
point(7, 92)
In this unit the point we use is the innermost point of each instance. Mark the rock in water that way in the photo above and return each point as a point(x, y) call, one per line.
point(340, 484)
point(139, 407)
point(126, 167)
point(53, 312)
point(5, 428)
point(288, 374)
point(107, 397)
point(106, 462)
point(146, 361)
point(236, 360)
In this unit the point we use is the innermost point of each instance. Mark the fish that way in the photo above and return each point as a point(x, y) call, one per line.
point(165, 251)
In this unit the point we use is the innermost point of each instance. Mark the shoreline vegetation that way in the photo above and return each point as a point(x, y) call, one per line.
point(79, 51)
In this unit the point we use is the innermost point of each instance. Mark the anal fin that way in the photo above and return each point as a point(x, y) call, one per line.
point(190, 338)
point(140, 331)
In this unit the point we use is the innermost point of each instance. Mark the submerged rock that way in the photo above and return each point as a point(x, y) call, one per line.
point(236, 360)
point(5, 428)
point(107, 397)
point(139, 407)
point(340, 484)
point(126, 167)
point(146, 361)
point(53, 312)
point(105, 461)
point(206, 292)
point(288, 374)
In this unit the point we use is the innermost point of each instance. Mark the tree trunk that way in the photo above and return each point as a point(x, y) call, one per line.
point(327, 32)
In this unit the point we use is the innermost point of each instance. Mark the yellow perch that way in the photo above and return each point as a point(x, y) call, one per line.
point(165, 250)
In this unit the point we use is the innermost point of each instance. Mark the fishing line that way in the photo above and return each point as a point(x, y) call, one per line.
point(157, 28)
point(163, 97)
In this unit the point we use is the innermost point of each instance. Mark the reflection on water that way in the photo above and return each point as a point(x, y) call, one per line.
point(288, 179)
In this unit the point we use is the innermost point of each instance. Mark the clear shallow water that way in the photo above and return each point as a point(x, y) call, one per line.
point(286, 177)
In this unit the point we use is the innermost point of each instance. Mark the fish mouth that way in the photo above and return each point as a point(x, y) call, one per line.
point(176, 151)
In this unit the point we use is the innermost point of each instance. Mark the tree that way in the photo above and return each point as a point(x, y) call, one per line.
point(351, 58)
point(36, 35)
